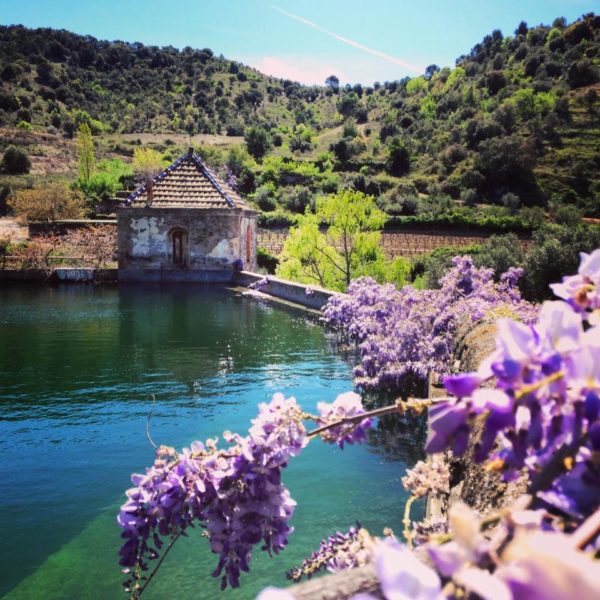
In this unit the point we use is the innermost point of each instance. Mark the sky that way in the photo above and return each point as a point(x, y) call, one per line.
point(359, 41)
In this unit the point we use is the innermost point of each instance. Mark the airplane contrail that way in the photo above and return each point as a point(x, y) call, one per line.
point(393, 59)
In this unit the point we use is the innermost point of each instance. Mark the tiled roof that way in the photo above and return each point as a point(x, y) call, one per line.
point(187, 183)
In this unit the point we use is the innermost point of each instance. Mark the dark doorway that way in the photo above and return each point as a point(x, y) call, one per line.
point(179, 237)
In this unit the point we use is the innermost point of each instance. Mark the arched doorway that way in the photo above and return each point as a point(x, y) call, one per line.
point(179, 239)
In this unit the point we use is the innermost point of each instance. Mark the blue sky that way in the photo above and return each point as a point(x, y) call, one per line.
point(305, 40)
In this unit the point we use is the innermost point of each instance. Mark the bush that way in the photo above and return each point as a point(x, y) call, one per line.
point(500, 252)
point(296, 199)
point(264, 197)
point(257, 141)
point(53, 202)
point(398, 161)
point(266, 260)
point(15, 161)
point(555, 251)
point(100, 186)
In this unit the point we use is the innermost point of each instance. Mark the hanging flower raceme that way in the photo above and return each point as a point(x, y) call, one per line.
point(236, 493)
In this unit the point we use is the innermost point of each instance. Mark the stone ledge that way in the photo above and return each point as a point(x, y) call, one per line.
point(287, 290)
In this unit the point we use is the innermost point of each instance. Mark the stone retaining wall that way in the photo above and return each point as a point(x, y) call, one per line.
point(61, 275)
point(404, 242)
point(407, 241)
point(287, 290)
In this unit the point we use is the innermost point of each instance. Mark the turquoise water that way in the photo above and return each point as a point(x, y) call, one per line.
point(78, 369)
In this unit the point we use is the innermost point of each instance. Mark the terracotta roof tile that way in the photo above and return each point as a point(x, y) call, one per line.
point(187, 183)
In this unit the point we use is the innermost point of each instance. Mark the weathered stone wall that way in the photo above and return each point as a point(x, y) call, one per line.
point(481, 489)
point(215, 239)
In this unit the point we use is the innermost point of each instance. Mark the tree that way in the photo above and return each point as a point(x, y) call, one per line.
point(257, 141)
point(333, 82)
point(348, 248)
point(430, 71)
point(15, 161)
point(347, 104)
point(554, 252)
point(147, 163)
point(398, 160)
point(522, 29)
point(50, 203)
point(85, 153)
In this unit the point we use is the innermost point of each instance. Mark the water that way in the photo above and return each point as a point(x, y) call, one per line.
point(78, 369)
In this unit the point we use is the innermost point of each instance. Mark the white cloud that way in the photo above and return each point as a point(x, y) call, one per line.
point(314, 69)
point(305, 70)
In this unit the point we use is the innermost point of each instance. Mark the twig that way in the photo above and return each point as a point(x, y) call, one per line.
point(148, 423)
point(399, 406)
point(137, 594)
point(406, 520)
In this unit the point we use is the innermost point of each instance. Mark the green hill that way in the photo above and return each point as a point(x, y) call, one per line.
point(515, 124)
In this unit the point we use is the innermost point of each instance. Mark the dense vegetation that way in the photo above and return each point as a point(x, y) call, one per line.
point(513, 127)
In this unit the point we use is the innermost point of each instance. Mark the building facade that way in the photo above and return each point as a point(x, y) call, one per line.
point(185, 225)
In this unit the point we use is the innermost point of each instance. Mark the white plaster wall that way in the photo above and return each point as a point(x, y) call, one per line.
point(147, 239)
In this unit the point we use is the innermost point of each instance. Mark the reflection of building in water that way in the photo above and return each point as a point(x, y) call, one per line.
point(185, 225)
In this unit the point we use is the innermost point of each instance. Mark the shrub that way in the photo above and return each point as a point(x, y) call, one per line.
point(398, 161)
point(53, 202)
point(500, 252)
point(264, 197)
point(25, 126)
point(266, 260)
point(555, 251)
point(15, 161)
point(296, 199)
point(257, 141)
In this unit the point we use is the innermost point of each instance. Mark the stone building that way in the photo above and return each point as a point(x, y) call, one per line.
point(185, 225)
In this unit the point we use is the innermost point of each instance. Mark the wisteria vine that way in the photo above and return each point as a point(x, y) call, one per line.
point(409, 332)
point(235, 494)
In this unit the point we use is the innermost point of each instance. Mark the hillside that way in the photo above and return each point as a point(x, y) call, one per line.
point(516, 123)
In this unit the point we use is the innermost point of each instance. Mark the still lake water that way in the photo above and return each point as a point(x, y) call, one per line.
point(78, 368)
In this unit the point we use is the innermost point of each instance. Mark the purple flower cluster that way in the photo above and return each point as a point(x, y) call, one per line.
point(541, 421)
point(345, 406)
point(235, 494)
point(545, 405)
point(582, 291)
point(408, 332)
point(339, 552)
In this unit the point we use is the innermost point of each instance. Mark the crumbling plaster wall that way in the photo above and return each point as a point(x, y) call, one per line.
point(215, 238)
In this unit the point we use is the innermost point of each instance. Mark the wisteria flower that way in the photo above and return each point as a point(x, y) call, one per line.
point(403, 576)
point(546, 566)
point(345, 405)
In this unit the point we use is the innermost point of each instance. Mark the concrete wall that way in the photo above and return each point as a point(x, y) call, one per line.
point(287, 290)
point(215, 239)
